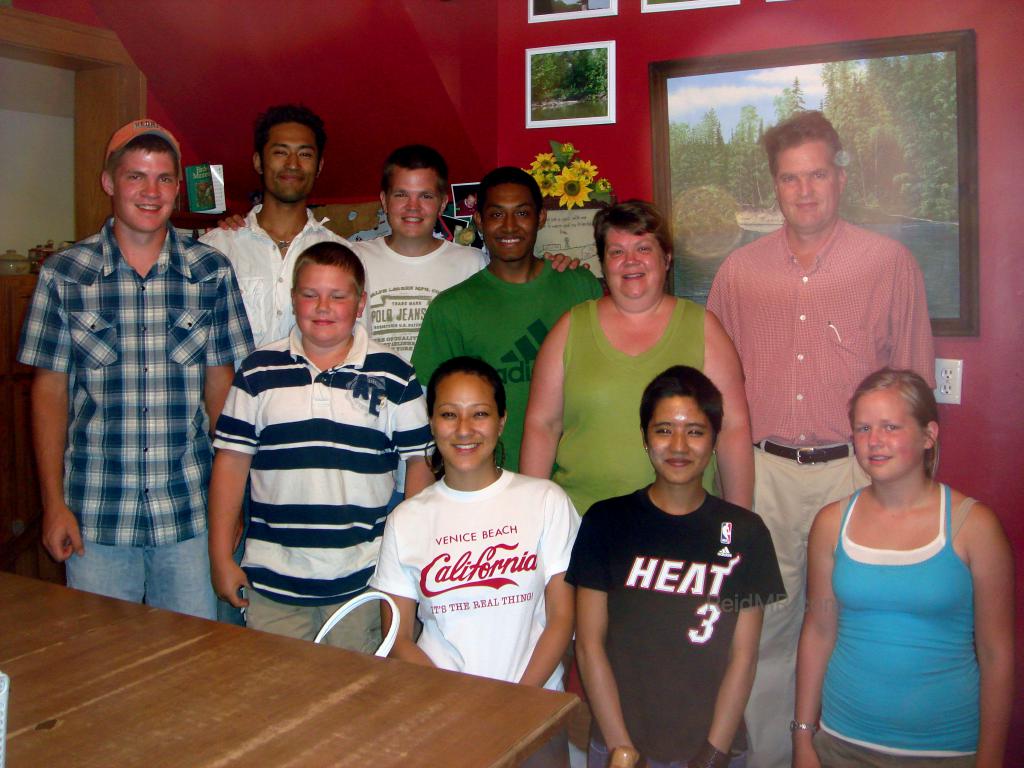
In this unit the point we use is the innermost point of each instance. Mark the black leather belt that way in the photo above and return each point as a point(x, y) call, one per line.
point(810, 455)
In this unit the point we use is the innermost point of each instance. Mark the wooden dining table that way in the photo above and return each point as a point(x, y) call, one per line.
point(102, 682)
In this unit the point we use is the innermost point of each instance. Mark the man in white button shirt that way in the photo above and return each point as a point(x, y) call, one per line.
point(288, 146)
point(288, 155)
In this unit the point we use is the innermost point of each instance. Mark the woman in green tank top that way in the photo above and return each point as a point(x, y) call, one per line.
point(590, 372)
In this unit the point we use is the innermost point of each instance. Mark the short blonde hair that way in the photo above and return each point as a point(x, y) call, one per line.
point(331, 254)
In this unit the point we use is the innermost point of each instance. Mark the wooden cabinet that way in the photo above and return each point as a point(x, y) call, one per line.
point(20, 510)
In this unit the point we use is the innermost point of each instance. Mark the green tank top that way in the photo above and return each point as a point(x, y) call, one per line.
point(601, 452)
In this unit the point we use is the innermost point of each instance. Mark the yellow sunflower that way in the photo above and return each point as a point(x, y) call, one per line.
point(544, 163)
point(571, 190)
point(584, 169)
point(546, 182)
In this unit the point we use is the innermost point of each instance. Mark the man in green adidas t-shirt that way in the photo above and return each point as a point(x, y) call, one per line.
point(502, 313)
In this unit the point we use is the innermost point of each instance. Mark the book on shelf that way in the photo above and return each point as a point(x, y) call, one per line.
point(205, 185)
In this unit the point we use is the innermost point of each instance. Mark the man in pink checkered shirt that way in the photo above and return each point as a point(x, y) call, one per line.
point(812, 309)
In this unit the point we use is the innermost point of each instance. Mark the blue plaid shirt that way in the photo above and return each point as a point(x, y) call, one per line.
point(137, 462)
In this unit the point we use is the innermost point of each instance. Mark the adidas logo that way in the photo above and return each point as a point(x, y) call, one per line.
point(724, 552)
point(520, 358)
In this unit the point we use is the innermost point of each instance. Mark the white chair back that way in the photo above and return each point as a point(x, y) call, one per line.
point(369, 596)
point(5, 687)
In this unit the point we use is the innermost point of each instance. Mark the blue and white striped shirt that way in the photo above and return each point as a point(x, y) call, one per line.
point(136, 350)
point(325, 448)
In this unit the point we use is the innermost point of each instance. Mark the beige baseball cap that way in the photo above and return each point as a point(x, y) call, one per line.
point(141, 127)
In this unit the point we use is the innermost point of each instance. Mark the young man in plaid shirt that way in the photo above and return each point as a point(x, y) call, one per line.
point(133, 333)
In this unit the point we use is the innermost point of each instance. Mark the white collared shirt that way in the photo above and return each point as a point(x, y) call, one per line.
point(264, 277)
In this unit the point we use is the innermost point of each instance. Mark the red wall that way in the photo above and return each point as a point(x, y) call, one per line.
point(381, 73)
point(452, 73)
point(982, 439)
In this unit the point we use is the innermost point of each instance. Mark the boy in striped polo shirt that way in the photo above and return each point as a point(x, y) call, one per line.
point(318, 421)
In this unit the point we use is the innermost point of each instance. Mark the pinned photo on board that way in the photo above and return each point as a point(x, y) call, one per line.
point(464, 200)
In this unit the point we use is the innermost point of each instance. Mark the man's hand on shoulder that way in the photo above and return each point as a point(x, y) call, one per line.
point(560, 262)
point(61, 534)
point(232, 222)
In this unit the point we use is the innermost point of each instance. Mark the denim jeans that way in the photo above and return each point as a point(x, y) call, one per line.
point(598, 755)
point(174, 576)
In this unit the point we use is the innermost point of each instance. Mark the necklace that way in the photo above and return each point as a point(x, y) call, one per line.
point(282, 243)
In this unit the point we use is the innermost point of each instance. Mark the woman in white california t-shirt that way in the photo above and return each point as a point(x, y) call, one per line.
point(480, 555)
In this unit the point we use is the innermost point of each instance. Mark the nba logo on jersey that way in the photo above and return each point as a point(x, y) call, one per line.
point(726, 537)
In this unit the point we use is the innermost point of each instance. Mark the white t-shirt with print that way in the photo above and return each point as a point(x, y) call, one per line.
point(477, 564)
point(400, 287)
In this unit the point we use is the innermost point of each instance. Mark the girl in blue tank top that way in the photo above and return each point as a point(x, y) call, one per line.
point(906, 653)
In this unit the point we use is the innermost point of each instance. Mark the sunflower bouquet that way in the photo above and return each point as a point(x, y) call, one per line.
point(571, 181)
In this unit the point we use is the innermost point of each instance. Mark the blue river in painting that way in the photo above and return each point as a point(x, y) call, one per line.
point(935, 245)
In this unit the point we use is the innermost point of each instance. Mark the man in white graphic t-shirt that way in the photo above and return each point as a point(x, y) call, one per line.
point(408, 268)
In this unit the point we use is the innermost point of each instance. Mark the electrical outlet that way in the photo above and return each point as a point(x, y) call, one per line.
point(949, 375)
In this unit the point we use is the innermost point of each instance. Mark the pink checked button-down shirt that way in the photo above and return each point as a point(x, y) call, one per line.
point(808, 337)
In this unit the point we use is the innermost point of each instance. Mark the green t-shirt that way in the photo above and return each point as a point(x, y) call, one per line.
point(504, 325)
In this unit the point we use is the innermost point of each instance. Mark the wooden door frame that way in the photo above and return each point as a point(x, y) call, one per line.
point(109, 91)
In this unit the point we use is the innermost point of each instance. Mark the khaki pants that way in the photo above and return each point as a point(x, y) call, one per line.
point(787, 496)
point(834, 752)
point(359, 631)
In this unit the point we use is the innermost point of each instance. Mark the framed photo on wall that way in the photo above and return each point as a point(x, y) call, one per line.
point(906, 112)
point(656, 6)
point(561, 10)
point(570, 85)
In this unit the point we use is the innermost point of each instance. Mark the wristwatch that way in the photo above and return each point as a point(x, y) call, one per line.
point(796, 725)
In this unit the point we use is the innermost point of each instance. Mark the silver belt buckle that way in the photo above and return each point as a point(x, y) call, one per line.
point(800, 454)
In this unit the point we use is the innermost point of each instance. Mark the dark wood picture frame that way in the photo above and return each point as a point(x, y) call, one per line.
point(961, 233)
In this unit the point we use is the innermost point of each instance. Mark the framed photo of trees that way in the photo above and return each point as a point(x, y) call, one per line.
point(906, 112)
point(570, 85)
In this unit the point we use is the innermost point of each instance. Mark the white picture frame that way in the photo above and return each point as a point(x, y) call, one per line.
point(658, 6)
point(534, 14)
point(550, 98)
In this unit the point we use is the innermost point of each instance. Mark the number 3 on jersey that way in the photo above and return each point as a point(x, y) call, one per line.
point(710, 614)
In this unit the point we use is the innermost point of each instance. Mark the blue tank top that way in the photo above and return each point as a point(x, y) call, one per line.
point(903, 676)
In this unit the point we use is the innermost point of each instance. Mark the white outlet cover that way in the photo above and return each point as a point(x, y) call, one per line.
point(948, 380)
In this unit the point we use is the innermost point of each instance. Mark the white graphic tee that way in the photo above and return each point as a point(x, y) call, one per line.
point(477, 563)
point(400, 287)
